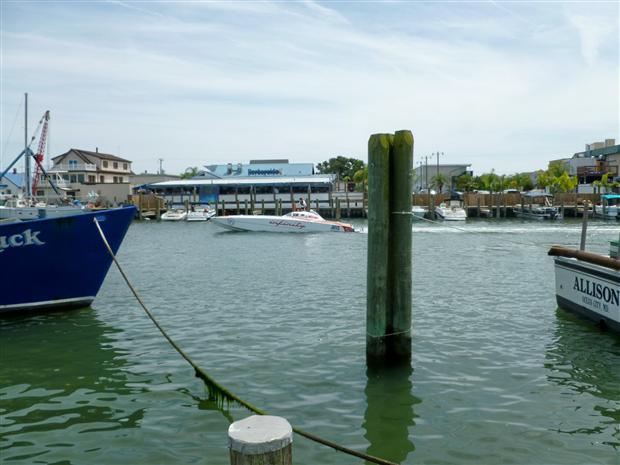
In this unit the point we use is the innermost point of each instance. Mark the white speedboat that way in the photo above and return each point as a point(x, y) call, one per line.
point(293, 222)
point(200, 215)
point(418, 211)
point(175, 214)
point(451, 211)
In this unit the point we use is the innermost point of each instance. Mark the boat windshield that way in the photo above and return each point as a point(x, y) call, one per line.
point(310, 215)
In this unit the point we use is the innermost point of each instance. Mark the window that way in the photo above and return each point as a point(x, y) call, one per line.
point(72, 164)
point(40, 193)
point(91, 178)
point(105, 163)
point(125, 166)
point(80, 178)
point(120, 179)
point(115, 165)
point(115, 179)
point(73, 178)
point(101, 179)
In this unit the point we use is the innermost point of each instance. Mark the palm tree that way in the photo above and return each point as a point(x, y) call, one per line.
point(605, 184)
point(438, 181)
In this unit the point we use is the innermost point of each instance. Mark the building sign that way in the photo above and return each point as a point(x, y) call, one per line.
point(267, 172)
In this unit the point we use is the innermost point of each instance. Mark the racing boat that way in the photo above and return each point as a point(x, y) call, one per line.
point(293, 222)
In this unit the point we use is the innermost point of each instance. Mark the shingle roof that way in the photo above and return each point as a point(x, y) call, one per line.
point(87, 154)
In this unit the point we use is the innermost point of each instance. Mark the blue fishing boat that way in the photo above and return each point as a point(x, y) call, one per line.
point(58, 262)
point(53, 256)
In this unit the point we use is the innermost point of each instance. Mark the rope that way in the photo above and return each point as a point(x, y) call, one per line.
point(217, 389)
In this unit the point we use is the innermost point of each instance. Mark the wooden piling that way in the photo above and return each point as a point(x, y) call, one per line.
point(584, 226)
point(158, 205)
point(246, 206)
point(378, 237)
point(388, 311)
point(337, 208)
point(140, 217)
point(186, 205)
point(261, 440)
point(400, 241)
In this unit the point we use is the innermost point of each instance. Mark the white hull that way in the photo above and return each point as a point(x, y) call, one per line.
point(200, 216)
point(419, 212)
point(588, 289)
point(286, 223)
point(451, 213)
point(174, 215)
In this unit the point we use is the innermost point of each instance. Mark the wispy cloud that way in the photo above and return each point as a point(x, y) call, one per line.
point(492, 84)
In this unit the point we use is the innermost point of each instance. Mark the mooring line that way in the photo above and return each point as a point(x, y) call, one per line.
point(216, 389)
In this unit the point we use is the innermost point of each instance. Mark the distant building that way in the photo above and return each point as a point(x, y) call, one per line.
point(11, 184)
point(424, 174)
point(95, 172)
point(259, 180)
point(598, 159)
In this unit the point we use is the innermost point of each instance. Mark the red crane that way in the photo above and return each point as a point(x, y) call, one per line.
point(40, 153)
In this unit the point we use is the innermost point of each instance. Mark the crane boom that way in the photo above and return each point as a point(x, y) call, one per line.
point(40, 153)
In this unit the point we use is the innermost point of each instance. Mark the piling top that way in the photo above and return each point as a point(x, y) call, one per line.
point(259, 434)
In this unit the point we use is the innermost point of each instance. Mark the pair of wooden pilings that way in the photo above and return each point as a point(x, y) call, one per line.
point(388, 304)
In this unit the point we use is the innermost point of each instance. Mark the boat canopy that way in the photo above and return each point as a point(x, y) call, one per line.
point(537, 194)
point(610, 196)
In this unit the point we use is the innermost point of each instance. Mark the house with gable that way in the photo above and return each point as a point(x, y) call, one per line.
point(88, 173)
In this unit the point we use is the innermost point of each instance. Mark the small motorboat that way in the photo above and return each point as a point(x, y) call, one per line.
point(175, 214)
point(200, 215)
point(609, 206)
point(293, 222)
point(451, 211)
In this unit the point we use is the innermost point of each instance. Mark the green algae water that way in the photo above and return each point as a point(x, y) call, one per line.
point(499, 374)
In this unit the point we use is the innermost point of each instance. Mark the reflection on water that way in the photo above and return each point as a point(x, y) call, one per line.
point(585, 362)
point(389, 413)
point(74, 386)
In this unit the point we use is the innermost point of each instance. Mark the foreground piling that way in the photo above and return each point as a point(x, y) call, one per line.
point(388, 311)
point(261, 440)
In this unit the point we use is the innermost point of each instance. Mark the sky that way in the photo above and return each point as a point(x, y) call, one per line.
point(503, 85)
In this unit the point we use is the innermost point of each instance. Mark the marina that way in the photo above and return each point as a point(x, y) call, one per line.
point(494, 366)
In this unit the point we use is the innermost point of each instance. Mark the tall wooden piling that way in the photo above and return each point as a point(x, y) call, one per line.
point(261, 440)
point(388, 311)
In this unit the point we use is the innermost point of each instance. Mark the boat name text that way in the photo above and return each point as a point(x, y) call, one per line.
point(597, 290)
point(28, 237)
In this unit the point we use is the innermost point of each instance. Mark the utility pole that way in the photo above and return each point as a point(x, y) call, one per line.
point(161, 170)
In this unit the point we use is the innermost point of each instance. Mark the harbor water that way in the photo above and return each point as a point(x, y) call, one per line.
point(499, 374)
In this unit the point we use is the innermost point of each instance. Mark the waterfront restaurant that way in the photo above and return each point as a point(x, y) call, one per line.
point(259, 183)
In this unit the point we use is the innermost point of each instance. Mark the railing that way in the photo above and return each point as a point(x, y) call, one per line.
point(75, 167)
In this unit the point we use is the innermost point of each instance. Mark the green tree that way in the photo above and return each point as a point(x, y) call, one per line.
point(488, 181)
point(438, 181)
point(190, 172)
point(604, 183)
point(344, 167)
point(466, 183)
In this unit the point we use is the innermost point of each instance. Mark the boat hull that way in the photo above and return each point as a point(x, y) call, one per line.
point(264, 223)
point(60, 262)
point(589, 290)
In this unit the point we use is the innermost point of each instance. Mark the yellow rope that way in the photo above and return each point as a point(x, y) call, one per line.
point(214, 387)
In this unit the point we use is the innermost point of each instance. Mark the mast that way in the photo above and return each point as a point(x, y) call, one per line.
point(27, 180)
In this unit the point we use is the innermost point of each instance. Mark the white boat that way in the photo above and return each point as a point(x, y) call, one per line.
point(451, 211)
point(175, 214)
point(293, 222)
point(201, 214)
point(609, 207)
point(589, 284)
point(536, 212)
point(418, 211)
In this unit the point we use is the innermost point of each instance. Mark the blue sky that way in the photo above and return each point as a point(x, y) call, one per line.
point(501, 85)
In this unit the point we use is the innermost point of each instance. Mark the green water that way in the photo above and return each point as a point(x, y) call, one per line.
point(499, 374)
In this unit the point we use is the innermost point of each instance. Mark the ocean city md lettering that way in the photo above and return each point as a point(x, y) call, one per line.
point(28, 237)
point(597, 290)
